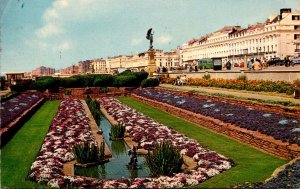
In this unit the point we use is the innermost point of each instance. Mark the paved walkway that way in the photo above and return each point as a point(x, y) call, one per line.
point(247, 95)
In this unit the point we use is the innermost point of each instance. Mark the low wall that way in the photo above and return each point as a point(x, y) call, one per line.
point(288, 75)
point(94, 92)
point(254, 138)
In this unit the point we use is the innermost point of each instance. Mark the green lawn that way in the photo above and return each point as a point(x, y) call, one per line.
point(18, 154)
point(251, 165)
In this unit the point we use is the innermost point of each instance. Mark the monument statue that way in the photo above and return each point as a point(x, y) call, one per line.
point(150, 37)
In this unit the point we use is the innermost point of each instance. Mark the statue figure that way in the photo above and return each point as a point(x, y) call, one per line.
point(133, 159)
point(150, 37)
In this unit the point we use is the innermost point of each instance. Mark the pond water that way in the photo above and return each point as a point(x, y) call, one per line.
point(117, 166)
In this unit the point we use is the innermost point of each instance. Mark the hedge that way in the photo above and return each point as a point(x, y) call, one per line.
point(151, 82)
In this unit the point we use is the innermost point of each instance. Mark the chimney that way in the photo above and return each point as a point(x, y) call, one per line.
point(284, 11)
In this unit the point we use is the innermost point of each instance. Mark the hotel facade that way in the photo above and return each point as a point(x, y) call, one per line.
point(139, 62)
point(279, 37)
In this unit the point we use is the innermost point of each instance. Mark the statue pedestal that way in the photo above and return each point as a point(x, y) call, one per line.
point(151, 68)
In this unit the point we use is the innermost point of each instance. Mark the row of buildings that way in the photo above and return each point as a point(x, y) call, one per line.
point(278, 36)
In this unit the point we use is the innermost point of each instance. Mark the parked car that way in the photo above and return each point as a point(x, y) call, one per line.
point(275, 61)
point(296, 60)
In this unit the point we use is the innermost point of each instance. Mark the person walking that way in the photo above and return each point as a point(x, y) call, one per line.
point(250, 63)
point(228, 65)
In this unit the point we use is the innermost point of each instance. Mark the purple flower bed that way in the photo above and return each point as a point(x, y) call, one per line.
point(71, 125)
point(281, 127)
point(14, 107)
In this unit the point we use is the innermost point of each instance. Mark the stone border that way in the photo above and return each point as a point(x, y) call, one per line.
point(254, 138)
point(281, 168)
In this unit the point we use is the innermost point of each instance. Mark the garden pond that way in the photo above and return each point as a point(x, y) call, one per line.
point(117, 166)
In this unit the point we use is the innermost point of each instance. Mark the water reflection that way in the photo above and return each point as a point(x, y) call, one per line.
point(117, 166)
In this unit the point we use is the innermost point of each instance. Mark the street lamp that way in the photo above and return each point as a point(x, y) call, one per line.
point(258, 50)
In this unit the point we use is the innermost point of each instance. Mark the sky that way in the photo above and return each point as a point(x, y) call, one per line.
point(60, 33)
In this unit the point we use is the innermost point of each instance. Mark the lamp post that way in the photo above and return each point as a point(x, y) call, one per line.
point(258, 50)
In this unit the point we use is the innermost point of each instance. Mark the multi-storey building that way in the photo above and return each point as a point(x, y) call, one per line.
point(113, 63)
point(98, 66)
point(139, 62)
point(70, 70)
point(278, 36)
point(168, 60)
point(42, 71)
point(84, 66)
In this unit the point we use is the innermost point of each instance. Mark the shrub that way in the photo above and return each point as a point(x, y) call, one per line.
point(242, 77)
point(88, 152)
point(126, 81)
point(151, 82)
point(20, 87)
point(117, 132)
point(103, 80)
point(94, 107)
point(44, 83)
point(68, 82)
point(206, 76)
point(165, 160)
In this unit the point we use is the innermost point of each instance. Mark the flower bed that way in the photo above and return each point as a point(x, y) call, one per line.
point(15, 111)
point(71, 125)
point(281, 127)
point(14, 107)
point(146, 133)
point(250, 85)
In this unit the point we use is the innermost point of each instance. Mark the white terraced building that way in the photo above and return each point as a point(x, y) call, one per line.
point(278, 36)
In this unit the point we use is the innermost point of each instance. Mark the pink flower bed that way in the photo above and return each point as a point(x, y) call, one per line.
point(71, 125)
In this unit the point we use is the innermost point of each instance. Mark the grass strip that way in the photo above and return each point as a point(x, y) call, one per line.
point(19, 153)
point(252, 165)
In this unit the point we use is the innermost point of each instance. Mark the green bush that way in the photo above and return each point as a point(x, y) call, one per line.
point(126, 81)
point(165, 160)
point(151, 82)
point(117, 132)
point(131, 79)
point(87, 152)
point(103, 81)
point(242, 77)
point(206, 76)
point(68, 83)
point(44, 83)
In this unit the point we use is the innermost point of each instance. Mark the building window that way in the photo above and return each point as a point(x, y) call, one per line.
point(296, 17)
point(296, 36)
point(297, 27)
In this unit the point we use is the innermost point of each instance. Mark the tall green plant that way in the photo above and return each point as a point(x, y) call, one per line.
point(117, 131)
point(165, 160)
point(88, 152)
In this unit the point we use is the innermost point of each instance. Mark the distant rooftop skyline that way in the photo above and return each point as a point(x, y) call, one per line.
point(60, 33)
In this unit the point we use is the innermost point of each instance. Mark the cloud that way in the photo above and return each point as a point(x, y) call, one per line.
point(136, 41)
point(63, 46)
point(164, 39)
point(49, 30)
